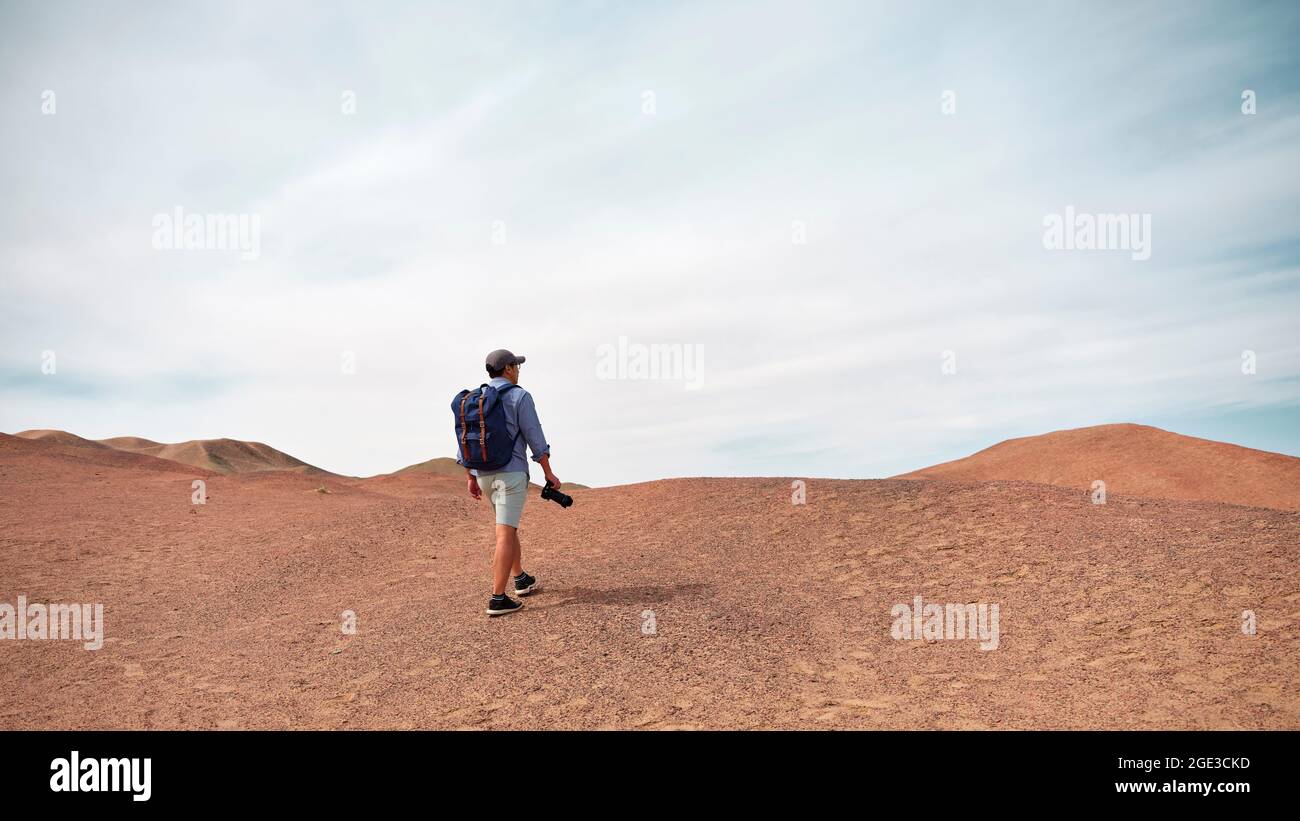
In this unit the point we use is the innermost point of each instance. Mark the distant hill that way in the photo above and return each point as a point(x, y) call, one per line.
point(1136, 460)
point(61, 437)
point(50, 453)
point(233, 456)
point(131, 443)
point(218, 455)
point(446, 466)
point(440, 466)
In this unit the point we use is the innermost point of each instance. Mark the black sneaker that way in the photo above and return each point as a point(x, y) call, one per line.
point(525, 584)
point(503, 604)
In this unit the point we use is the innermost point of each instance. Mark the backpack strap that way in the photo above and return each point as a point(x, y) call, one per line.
point(464, 449)
point(482, 428)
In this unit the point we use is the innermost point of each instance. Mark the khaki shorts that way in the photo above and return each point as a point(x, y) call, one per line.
point(507, 491)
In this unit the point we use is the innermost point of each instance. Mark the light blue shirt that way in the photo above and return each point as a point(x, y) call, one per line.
point(520, 413)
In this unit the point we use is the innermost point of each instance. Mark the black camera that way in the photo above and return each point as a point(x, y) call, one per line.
point(555, 495)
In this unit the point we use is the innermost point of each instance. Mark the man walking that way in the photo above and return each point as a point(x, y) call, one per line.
point(508, 486)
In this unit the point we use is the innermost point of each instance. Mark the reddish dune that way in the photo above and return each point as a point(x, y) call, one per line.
point(217, 455)
point(712, 603)
point(38, 456)
point(441, 466)
point(446, 466)
point(132, 443)
point(226, 456)
point(1135, 460)
point(61, 437)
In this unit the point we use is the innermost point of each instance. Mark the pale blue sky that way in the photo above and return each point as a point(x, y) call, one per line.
point(924, 229)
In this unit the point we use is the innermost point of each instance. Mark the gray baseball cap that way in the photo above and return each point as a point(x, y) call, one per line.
point(500, 358)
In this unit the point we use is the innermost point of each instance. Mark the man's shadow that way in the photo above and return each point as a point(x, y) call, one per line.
point(637, 595)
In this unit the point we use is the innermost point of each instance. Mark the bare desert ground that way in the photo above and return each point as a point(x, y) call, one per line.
point(765, 614)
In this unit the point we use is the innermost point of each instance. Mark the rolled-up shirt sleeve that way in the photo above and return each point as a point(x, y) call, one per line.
point(531, 428)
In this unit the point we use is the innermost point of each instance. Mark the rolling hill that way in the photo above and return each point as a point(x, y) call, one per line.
point(1136, 460)
point(218, 455)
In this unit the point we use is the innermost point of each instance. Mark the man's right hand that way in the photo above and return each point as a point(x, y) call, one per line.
point(474, 489)
point(553, 480)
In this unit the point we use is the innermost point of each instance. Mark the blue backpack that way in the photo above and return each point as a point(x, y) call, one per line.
point(485, 443)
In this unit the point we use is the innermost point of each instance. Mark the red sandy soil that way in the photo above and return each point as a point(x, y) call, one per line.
point(767, 614)
point(1137, 460)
